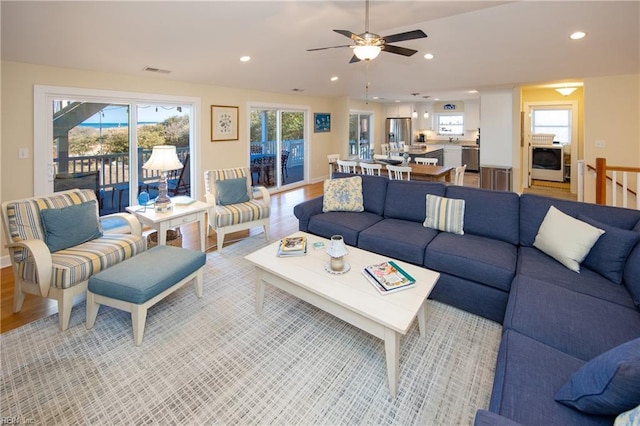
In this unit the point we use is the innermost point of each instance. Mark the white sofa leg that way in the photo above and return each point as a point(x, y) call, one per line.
point(266, 231)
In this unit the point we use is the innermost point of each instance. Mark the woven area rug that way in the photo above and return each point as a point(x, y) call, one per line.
point(214, 361)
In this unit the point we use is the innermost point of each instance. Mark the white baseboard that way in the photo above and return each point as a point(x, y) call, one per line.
point(4, 261)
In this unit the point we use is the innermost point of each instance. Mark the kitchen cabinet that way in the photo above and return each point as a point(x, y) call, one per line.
point(471, 115)
point(421, 123)
point(399, 110)
point(438, 154)
point(452, 155)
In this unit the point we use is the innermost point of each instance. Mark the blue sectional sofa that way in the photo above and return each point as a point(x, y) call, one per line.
point(557, 323)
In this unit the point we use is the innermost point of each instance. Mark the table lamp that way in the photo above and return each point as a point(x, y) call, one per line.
point(163, 158)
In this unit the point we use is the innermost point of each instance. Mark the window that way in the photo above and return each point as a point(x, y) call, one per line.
point(556, 121)
point(450, 124)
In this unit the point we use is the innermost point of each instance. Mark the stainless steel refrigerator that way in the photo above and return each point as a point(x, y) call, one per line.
point(398, 130)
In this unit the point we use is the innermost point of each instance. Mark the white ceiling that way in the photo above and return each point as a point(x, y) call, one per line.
point(478, 44)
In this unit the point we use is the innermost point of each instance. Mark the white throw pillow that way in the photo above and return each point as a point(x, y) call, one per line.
point(566, 239)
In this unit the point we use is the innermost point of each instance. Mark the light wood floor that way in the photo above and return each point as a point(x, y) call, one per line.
point(282, 223)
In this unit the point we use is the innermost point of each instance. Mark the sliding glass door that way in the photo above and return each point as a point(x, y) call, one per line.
point(102, 142)
point(277, 146)
point(360, 139)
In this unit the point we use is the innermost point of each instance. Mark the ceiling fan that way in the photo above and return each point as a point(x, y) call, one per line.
point(368, 45)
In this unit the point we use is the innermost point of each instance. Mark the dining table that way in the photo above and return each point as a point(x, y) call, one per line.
point(424, 172)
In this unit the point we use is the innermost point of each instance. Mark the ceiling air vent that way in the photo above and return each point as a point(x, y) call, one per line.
point(158, 70)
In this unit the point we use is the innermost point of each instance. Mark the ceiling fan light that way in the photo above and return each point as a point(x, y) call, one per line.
point(566, 91)
point(366, 53)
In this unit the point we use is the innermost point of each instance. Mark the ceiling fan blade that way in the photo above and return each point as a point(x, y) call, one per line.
point(330, 47)
point(348, 34)
point(398, 50)
point(409, 35)
point(354, 59)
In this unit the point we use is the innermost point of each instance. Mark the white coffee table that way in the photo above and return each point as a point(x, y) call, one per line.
point(178, 215)
point(348, 296)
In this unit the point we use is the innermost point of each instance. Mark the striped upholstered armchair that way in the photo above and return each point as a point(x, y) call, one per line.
point(56, 243)
point(235, 206)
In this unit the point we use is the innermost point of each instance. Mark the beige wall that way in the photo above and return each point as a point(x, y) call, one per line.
point(17, 102)
point(18, 80)
point(611, 114)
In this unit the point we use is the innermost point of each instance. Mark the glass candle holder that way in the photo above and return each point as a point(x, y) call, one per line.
point(337, 251)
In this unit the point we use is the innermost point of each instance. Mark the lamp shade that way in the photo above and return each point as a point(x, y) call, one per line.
point(337, 247)
point(163, 158)
point(366, 52)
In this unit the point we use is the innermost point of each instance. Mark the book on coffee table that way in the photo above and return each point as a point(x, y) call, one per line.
point(292, 246)
point(388, 277)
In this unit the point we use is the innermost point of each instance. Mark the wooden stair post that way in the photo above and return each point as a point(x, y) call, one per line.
point(601, 181)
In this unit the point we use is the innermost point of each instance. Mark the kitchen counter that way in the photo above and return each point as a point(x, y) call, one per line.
point(446, 142)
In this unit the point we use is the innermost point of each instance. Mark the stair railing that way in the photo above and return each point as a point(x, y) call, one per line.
point(603, 180)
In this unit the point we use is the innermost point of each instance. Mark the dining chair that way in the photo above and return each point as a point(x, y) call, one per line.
point(333, 159)
point(398, 172)
point(400, 158)
point(370, 168)
point(423, 160)
point(380, 156)
point(347, 166)
point(385, 149)
point(459, 175)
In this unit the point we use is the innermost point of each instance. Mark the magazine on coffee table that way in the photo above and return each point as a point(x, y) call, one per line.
point(387, 277)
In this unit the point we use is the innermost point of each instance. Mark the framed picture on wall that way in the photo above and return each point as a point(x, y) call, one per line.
point(321, 122)
point(224, 123)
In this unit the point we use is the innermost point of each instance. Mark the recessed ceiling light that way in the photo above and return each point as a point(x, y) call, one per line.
point(578, 35)
point(334, 78)
point(397, 100)
point(245, 58)
point(429, 56)
point(472, 91)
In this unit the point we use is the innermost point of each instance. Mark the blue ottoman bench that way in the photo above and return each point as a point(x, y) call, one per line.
point(142, 281)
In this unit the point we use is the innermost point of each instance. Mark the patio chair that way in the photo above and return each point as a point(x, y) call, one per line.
point(79, 180)
point(234, 205)
point(284, 157)
point(56, 244)
point(182, 185)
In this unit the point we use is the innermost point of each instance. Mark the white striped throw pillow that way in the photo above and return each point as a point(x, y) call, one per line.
point(445, 214)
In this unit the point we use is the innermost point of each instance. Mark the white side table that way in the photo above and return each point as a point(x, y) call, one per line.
point(178, 215)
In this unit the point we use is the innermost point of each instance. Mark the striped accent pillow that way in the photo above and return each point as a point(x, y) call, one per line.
point(445, 214)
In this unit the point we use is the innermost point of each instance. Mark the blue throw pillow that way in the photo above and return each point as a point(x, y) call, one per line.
point(232, 191)
point(609, 384)
point(69, 226)
point(609, 254)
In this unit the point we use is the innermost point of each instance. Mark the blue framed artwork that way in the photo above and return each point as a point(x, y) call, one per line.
point(321, 122)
